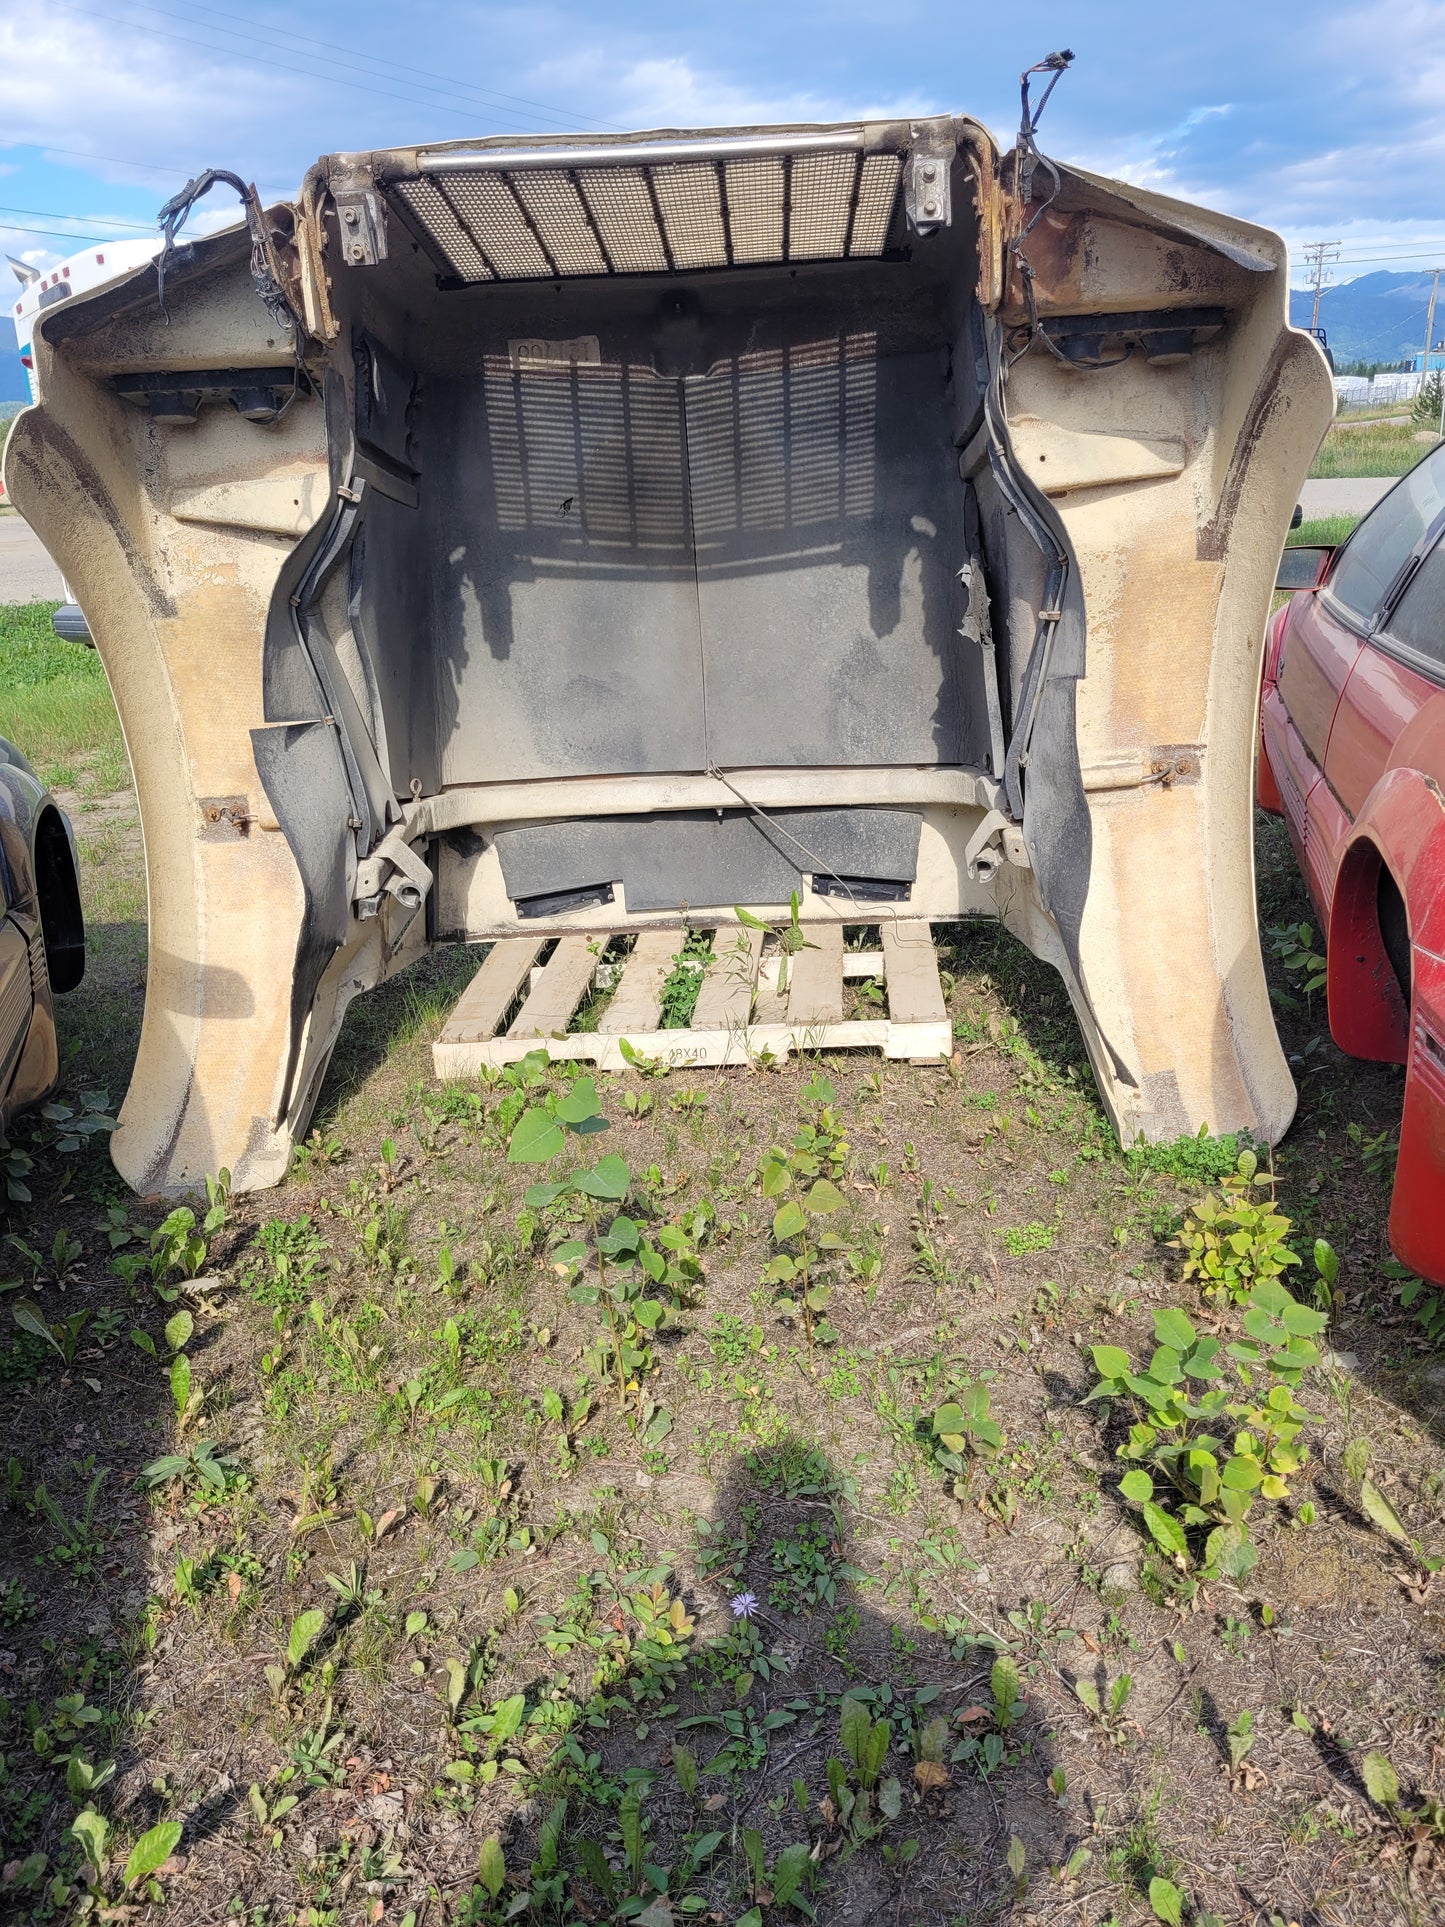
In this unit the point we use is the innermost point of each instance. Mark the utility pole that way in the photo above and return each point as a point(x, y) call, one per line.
point(1429, 331)
point(1321, 256)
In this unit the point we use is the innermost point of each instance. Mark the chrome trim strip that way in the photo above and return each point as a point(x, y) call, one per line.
point(624, 153)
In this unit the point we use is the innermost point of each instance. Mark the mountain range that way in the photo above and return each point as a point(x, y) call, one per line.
point(1376, 317)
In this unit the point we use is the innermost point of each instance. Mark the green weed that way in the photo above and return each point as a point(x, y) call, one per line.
point(683, 982)
point(1177, 1403)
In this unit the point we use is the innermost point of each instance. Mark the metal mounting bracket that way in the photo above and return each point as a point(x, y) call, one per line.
point(927, 192)
point(998, 839)
point(361, 217)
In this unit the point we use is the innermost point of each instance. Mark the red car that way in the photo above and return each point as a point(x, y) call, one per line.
point(1352, 755)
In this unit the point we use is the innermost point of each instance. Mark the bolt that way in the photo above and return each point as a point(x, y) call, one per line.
point(930, 173)
point(358, 252)
point(350, 216)
point(930, 208)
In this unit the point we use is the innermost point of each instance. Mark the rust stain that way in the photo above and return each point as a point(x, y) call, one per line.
point(1057, 251)
point(1213, 539)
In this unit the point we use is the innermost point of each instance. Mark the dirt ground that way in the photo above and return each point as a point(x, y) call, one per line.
point(432, 1619)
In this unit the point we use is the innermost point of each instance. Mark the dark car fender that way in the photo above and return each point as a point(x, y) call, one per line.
point(43, 879)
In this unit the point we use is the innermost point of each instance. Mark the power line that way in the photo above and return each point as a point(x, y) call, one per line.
point(105, 220)
point(449, 83)
point(59, 234)
point(1391, 327)
point(166, 168)
point(281, 66)
point(1400, 254)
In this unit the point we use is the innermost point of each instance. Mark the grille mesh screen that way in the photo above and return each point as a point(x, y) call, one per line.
point(692, 215)
point(755, 209)
point(622, 208)
point(433, 213)
point(877, 191)
point(493, 215)
point(559, 216)
point(544, 223)
point(822, 202)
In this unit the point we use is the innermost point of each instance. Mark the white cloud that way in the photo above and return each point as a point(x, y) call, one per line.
point(22, 248)
point(1344, 134)
point(652, 90)
point(112, 94)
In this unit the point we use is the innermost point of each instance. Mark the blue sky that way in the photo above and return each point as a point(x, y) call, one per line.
point(1323, 121)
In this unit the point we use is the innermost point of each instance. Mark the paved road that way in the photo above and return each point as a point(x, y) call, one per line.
point(27, 573)
point(1356, 495)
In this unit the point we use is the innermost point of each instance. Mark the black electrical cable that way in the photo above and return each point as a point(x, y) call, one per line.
point(265, 269)
point(1027, 163)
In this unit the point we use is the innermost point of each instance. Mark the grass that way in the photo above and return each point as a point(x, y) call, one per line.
point(1325, 532)
point(55, 704)
point(56, 707)
point(1367, 448)
point(450, 1635)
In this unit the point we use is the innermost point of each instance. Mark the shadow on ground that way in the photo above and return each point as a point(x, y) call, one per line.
point(951, 1818)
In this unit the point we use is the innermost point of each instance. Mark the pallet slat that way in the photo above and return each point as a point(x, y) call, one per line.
point(770, 1006)
point(699, 1049)
point(915, 995)
point(725, 1001)
point(488, 997)
point(815, 977)
point(558, 990)
point(638, 997)
point(738, 1017)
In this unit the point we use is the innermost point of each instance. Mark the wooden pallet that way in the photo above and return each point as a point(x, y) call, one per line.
point(740, 1014)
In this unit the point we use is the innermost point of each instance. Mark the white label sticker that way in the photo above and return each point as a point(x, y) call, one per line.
point(534, 352)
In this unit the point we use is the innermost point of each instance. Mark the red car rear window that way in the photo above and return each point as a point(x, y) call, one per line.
point(1383, 543)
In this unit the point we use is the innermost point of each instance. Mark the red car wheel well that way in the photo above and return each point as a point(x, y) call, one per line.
point(1369, 959)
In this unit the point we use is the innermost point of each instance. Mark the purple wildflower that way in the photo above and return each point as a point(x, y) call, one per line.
point(744, 1605)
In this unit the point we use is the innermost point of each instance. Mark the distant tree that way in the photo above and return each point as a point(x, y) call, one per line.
point(1425, 411)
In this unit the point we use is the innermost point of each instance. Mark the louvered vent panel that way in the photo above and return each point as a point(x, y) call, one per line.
point(39, 972)
point(535, 223)
point(561, 220)
point(434, 214)
point(692, 214)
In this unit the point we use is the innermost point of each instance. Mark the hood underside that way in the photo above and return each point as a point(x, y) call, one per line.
point(580, 535)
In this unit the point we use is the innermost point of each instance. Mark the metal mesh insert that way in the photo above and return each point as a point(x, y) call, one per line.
point(434, 214)
point(692, 214)
point(533, 222)
point(561, 220)
point(755, 208)
point(877, 191)
point(822, 203)
point(492, 213)
point(622, 208)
